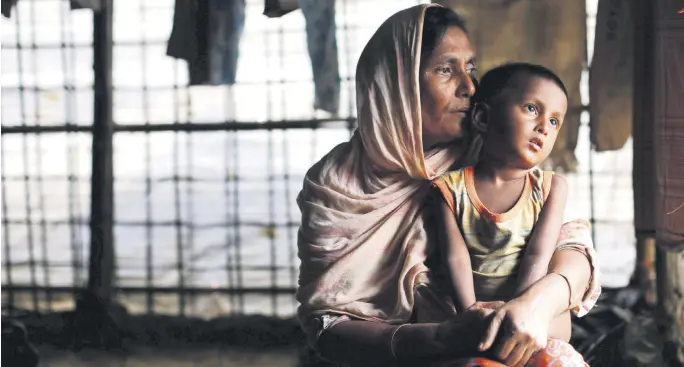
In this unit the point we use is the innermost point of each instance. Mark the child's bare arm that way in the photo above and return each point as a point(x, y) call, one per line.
point(455, 257)
point(543, 241)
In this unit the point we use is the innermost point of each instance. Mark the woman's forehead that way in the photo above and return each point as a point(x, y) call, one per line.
point(455, 44)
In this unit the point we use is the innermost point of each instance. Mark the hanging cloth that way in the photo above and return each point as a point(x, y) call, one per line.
point(322, 43)
point(207, 35)
point(610, 75)
point(94, 5)
point(278, 8)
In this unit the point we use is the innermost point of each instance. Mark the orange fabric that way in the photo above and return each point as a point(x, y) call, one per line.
point(496, 241)
point(469, 178)
point(556, 354)
point(446, 192)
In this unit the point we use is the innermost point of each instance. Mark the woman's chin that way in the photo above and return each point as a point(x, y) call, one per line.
point(444, 139)
point(456, 143)
point(454, 135)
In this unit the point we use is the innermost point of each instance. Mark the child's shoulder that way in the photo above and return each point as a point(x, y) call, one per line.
point(451, 181)
point(452, 176)
point(541, 181)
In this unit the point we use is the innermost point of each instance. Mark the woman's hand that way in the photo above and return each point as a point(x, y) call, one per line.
point(521, 327)
point(455, 336)
point(491, 305)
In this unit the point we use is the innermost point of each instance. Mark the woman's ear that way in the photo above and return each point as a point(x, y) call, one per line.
point(479, 115)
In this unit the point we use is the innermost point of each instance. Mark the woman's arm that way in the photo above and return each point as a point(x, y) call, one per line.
point(358, 342)
point(546, 299)
point(455, 257)
point(576, 268)
point(535, 262)
point(522, 325)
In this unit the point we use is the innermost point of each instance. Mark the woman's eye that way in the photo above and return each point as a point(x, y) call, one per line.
point(531, 108)
point(444, 70)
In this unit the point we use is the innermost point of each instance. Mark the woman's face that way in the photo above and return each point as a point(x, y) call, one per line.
point(446, 87)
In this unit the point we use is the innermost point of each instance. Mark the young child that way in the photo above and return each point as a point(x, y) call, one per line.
point(501, 219)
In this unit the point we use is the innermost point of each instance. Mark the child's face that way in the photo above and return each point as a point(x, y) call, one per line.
point(525, 125)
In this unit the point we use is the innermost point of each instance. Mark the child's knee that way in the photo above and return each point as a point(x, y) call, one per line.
point(561, 327)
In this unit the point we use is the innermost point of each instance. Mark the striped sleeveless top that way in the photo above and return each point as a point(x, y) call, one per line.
point(495, 241)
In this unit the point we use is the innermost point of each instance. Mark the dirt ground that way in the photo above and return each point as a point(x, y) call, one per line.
point(153, 357)
point(79, 339)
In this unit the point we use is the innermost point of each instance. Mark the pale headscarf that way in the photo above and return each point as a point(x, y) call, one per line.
point(362, 243)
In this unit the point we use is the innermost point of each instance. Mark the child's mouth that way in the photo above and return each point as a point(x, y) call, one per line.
point(536, 144)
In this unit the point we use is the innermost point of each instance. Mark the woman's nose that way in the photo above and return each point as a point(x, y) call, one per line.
point(466, 88)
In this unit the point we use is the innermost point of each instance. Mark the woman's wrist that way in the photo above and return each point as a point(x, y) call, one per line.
point(577, 269)
point(357, 342)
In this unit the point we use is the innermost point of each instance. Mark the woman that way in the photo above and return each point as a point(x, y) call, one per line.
point(367, 297)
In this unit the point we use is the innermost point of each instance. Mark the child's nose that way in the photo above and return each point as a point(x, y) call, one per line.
point(542, 128)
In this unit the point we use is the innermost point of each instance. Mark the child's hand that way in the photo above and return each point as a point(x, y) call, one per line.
point(491, 305)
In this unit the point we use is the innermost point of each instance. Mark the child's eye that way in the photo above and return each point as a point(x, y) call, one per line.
point(531, 108)
point(554, 122)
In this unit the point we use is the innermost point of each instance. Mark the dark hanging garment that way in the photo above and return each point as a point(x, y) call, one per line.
point(207, 35)
point(7, 6)
point(94, 5)
point(322, 43)
point(278, 8)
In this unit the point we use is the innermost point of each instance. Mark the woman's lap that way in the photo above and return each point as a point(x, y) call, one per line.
point(556, 354)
